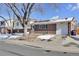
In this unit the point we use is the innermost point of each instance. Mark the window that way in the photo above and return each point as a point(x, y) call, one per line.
point(36, 27)
point(41, 27)
point(17, 24)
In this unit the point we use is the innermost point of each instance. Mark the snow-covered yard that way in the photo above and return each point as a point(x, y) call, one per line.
point(70, 40)
point(76, 37)
point(8, 36)
point(45, 37)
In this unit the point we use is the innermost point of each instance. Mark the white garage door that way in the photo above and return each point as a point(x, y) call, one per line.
point(62, 28)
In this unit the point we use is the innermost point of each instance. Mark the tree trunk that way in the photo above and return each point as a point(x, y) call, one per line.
point(26, 33)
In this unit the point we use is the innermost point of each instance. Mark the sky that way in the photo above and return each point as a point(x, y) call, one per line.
point(50, 11)
point(62, 10)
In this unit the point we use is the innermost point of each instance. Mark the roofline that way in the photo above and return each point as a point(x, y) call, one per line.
point(50, 22)
point(53, 22)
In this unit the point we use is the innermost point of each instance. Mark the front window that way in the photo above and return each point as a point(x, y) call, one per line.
point(17, 24)
point(41, 27)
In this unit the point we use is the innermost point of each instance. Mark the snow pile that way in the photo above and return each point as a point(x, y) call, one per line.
point(46, 37)
point(69, 40)
point(19, 34)
point(3, 36)
point(8, 36)
point(77, 36)
point(14, 37)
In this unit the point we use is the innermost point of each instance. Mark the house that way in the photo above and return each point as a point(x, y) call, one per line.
point(18, 28)
point(13, 26)
point(55, 26)
point(9, 24)
point(2, 27)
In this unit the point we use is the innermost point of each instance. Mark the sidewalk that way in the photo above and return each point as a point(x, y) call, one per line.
point(53, 46)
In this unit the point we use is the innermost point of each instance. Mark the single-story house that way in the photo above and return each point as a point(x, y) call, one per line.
point(55, 26)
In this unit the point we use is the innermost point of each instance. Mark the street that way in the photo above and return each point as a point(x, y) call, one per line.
point(17, 50)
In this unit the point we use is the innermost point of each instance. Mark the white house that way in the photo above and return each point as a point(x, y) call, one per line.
point(57, 26)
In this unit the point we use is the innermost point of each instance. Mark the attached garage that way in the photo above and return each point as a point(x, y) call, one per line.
point(58, 28)
point(62, 28)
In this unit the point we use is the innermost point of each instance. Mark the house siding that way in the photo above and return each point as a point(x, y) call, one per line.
point(52, 28)
point(77, 30)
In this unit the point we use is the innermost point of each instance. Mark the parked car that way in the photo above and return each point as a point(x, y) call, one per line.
point(73, 32)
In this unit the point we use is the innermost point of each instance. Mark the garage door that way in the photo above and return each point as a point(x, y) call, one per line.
point(62, 28)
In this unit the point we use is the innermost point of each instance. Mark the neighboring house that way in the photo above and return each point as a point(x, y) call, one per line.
point(9, 24)
point(17, 27)
point(58, 26)
point(2, 26)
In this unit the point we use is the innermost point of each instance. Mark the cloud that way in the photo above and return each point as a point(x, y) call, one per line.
point(76, 7)
point(55, 17)
point(73, 7)
point(69, 6)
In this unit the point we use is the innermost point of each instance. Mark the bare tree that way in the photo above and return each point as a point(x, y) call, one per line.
point(10, 19)
point(22, 14)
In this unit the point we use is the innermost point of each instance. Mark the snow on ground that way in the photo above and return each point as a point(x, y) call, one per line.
point(46, 37)
point(14, 36)
point(8, 36)
point(77, 36)
point(3, 36)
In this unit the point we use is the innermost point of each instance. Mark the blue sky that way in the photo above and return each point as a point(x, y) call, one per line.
point(62, 10)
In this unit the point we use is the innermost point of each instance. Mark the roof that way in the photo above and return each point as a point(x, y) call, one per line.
point(55, 21)
point(1, 20)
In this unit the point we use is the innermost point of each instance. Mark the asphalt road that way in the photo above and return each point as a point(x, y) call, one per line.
point(17, 50)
